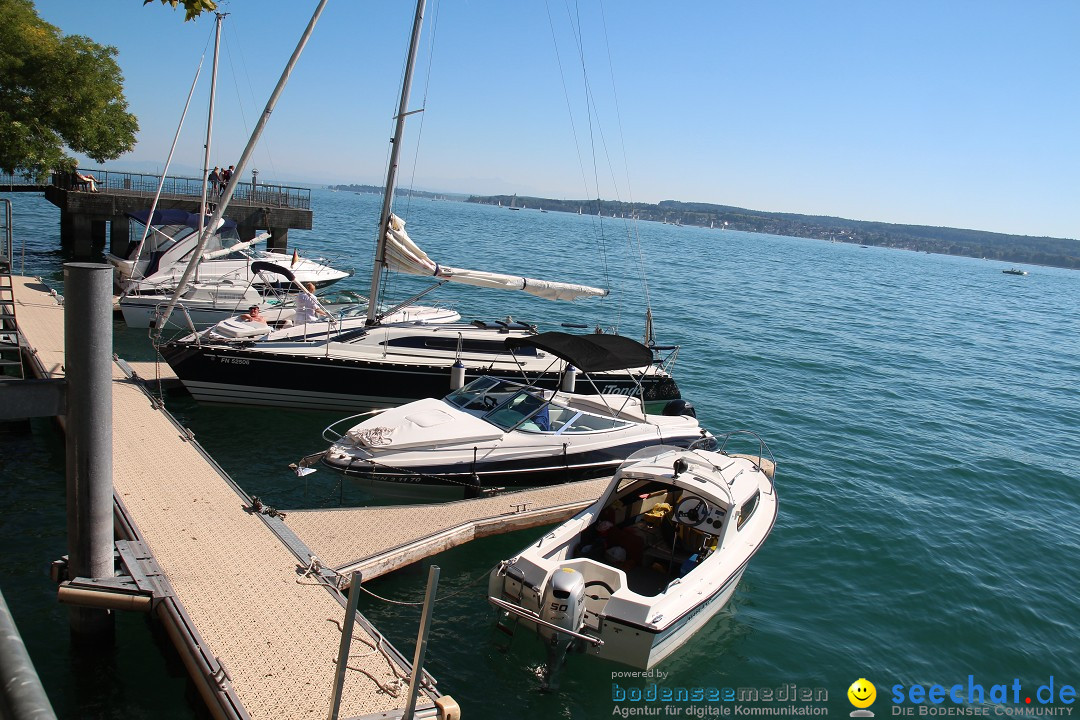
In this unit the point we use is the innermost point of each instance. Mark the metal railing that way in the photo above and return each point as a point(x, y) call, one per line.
point(7, 180)
point(261, 194)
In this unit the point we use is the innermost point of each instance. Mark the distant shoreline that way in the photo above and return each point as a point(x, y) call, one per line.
point(1029, 250)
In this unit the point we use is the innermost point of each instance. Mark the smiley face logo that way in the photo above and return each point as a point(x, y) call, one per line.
point(862, 693)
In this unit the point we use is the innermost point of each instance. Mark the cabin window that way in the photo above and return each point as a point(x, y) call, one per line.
point(468, 345)
point(748, 509)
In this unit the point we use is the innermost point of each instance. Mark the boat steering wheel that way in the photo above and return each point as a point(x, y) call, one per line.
point(691, 511)
point(489, 402)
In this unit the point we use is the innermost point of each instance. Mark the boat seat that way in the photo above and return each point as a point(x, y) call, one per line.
point(631, 542)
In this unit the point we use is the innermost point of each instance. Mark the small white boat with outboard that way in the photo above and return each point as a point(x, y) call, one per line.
point(633, 576)
point(494, 432)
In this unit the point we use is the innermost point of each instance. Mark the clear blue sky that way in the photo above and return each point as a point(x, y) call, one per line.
point(961, 113)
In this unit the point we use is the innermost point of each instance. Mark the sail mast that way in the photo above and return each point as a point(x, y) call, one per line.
point(391, 173)
point(219, 211)
point(210, 119)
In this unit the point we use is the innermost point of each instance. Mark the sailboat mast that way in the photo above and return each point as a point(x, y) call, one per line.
point(210, 118)
point(391, 173)
point(223, 203)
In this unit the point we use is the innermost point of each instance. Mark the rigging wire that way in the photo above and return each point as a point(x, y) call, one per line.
point(590, 105)
point(264, 145)
point(423, 104)
point(636, 237)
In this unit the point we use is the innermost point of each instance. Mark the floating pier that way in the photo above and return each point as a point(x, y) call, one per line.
point(233, 584)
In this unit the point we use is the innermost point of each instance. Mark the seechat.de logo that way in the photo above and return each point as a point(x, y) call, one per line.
point(862, 694)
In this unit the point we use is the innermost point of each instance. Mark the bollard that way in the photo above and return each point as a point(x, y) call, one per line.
point(88, 369)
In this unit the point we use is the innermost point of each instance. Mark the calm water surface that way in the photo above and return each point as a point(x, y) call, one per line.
point(923, 409)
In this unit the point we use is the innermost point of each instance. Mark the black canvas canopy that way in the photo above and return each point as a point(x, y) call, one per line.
point(261, 265)
point(589, 353)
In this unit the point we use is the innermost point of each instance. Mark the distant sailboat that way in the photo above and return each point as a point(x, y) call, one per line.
point(513, 203)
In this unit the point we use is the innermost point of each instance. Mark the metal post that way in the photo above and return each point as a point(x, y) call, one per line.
point(346, 644)
point(88, 367)
point(421, 641)
point(23, 697)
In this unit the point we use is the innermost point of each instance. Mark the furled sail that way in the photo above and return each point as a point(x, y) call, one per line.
point(403, 255)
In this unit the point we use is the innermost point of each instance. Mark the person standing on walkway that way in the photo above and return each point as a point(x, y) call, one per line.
point(225, 175)
point(214, 178)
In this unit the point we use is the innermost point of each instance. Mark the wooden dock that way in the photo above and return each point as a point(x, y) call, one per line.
point(260, 639)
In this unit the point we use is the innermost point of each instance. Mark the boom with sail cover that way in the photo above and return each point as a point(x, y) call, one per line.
point(404, 255)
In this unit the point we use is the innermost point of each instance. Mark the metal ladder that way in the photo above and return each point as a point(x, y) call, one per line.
point(507, 622)
point(10, 339)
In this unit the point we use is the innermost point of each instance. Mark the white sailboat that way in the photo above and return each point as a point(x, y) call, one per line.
point(149, 273)
point(385, 363)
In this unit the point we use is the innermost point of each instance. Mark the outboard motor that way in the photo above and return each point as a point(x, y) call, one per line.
point(680, 407)
point(563, 605)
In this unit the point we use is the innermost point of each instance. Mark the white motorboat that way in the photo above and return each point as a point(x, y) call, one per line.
point(494, 433)
point(633, 576)
point(154, 266)
point(204, 304)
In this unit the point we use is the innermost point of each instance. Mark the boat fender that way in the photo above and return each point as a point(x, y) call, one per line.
point(679, 407)
point(457, 375)
point(473, 488)
point(569, 379)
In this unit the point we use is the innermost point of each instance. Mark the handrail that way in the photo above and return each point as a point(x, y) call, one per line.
point(259, 193)
point(763, 448)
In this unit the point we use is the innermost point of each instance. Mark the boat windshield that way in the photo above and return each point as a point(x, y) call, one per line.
point(483, 393)
point(518, 410)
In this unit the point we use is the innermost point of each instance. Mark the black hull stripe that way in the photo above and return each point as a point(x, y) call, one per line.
point(238, 375)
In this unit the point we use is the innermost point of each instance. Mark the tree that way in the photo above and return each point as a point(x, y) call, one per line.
point(57, 93)
point(192, 8)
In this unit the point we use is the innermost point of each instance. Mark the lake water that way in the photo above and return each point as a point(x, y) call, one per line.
point(924, 411)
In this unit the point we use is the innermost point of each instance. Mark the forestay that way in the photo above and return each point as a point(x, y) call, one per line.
point(403, 255)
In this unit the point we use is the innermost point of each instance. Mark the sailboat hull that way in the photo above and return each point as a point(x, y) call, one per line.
point(293, 377)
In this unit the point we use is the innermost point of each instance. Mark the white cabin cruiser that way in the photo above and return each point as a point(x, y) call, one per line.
point(204, 304)
point(154, 266)
point(494, 432)
point(633, 576)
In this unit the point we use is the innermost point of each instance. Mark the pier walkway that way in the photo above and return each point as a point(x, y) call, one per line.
point(258, 637)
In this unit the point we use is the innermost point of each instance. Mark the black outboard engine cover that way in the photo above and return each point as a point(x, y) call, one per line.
point(680, 407)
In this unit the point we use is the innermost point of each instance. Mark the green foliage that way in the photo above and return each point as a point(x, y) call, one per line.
point(57, 93)
point(192, 8)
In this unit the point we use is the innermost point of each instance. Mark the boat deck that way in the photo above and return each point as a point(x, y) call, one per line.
point(268, 635)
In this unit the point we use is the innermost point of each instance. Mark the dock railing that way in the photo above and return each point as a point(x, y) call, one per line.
point(262, 194)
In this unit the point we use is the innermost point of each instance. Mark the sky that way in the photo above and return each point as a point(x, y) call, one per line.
point(960, 114)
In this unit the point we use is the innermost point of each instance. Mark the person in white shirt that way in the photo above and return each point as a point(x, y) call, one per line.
point(308, 309)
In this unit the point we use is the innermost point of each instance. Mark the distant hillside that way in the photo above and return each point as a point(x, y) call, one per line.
point(378, 190)
point(1058, 252)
